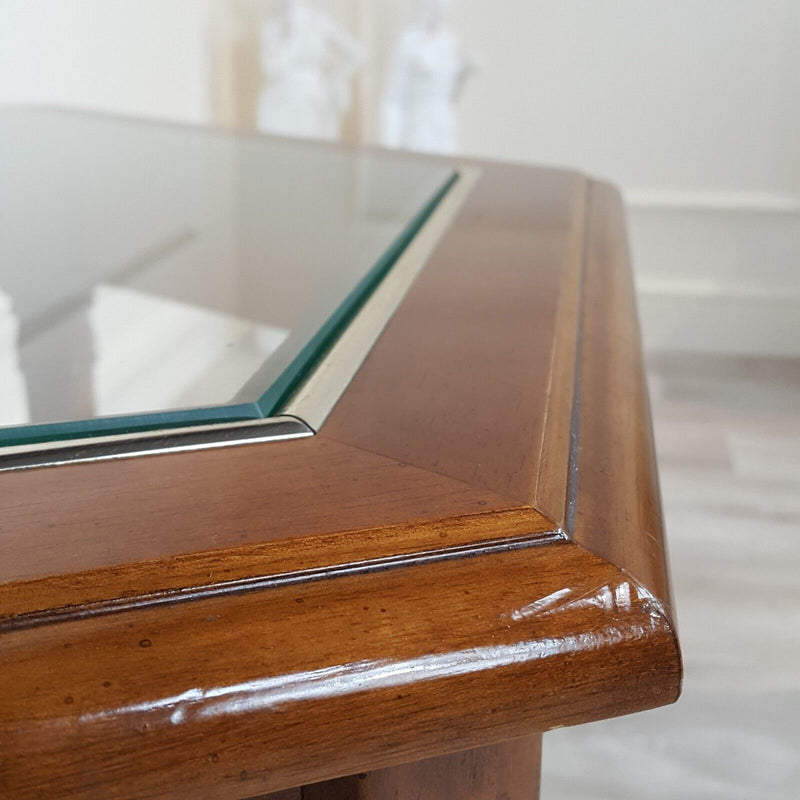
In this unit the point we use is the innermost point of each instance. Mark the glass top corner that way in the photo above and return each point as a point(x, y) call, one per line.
point(155, 276)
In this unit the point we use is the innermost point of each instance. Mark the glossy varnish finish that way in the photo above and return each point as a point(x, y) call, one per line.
point(615, 494)
point(469, 552)
point(211, 500)
point(241, 568)
point(236, 695)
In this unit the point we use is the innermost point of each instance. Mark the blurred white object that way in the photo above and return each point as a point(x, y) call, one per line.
point(426, 75)
point(308, 61)
point(14, 397)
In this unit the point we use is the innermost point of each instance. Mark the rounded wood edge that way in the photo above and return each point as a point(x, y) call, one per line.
point(614, 503)
point(234, 696)
point(634, 665)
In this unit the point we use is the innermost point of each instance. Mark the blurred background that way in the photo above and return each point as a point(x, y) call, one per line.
point(693, 108)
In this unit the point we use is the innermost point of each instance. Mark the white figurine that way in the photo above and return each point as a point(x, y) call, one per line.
point(426, 75)
point(308, 62)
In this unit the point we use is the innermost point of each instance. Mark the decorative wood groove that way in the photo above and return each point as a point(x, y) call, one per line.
point(286, 509)
point(239, 695)
point(395, 588)
point(615, 495)
point(487, 369)
point(32, 619)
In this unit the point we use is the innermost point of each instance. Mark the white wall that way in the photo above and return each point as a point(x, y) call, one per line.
point(694, 95)
point(693, 106)
point(142, 57)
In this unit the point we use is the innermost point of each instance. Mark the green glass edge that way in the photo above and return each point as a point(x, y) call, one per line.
point(306, 360)
point(275, 396)
point(130, 423)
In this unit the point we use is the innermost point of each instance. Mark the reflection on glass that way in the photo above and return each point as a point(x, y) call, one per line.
point(154, 275)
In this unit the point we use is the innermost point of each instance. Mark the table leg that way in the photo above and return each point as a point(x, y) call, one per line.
point(505, 771)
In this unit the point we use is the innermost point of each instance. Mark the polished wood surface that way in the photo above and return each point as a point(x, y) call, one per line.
point(470, 551)
point(235, 695)
point(485, 372)
point(195, 575)
point(617, 504)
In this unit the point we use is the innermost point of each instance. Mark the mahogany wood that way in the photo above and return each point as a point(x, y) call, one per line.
point(470, 551)
point(617, 503)
point(507, 771)
point(285, 794)
point(236, 695)
point(478, 341)
point(193, 574)
point(79, 533)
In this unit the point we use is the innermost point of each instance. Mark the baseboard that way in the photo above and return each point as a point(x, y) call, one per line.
point(751, 326)
point(717, 273)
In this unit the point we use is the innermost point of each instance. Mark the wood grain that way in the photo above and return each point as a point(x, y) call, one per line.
point(498, 300)
point(476, 343)
point(193, 575)
point(505, 771)
point(617, 502)
point(80, 533)
point(229, 623)
point(240, 695)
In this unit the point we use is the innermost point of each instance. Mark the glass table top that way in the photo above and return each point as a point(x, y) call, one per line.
point(157, 276)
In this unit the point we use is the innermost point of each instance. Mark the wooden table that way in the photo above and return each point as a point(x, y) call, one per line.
point(469, 552)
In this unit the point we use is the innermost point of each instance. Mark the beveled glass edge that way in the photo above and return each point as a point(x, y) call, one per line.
point(317, 347)
point(268, 404)
point(174, 440)
point(319, 393)
point(39, 435)
point(318, 389)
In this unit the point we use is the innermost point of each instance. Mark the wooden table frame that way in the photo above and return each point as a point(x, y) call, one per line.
point(470, 551)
